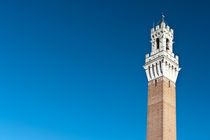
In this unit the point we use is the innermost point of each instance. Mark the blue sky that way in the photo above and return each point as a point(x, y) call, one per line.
point(72, 70)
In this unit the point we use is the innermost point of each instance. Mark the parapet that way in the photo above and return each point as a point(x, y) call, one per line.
point(161, 27)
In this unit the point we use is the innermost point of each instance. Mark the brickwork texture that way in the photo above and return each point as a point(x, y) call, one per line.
point(161, 110)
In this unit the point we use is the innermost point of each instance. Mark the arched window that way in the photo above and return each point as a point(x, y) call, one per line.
point(167, 44)
point(158, 43)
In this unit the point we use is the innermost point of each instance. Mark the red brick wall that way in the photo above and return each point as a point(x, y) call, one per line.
point(161, 111)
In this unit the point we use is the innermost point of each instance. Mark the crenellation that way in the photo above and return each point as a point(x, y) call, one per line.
point(163, 24)
point(172, 31)
point(157, 27)
point(177, 57)
point(167, 28)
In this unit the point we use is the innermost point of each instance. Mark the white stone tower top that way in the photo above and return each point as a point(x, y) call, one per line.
point(161, 61)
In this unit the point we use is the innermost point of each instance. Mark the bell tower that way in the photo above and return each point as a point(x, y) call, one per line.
point(162, 68)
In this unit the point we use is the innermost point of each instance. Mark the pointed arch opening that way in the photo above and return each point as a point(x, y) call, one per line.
point(157, 43)
point(167, 44)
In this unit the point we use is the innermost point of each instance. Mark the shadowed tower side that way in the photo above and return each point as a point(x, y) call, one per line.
point(162, 69)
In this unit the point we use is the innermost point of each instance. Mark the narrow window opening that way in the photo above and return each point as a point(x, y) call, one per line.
point(169, 84)
point(158, 43)
point(155, 82)
point(167, 44)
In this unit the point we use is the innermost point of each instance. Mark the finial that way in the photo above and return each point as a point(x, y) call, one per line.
point(163, 18)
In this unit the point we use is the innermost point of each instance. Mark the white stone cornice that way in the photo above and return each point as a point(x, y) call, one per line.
point(162, 64)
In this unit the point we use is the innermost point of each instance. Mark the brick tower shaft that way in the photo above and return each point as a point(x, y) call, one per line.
point(161, 112)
